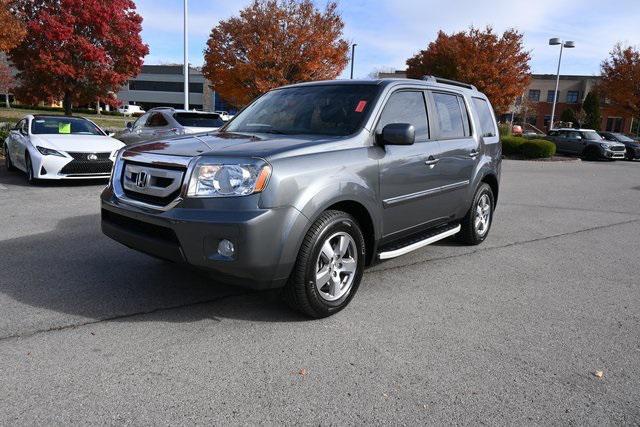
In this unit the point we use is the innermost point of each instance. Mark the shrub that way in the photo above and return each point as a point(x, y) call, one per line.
point(504, 129)
point(511, 145)
point(537, 149)
point(516, 146)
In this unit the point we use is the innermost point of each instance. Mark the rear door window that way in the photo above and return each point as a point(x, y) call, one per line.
point(406, 107)
point(487, 123)
point(452, 120)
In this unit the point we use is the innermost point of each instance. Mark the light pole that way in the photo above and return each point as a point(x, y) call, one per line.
point(568, 44)
point(353, 55)
point(186, 58)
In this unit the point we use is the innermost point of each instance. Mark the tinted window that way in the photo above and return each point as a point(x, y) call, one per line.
point(487, 125)
point(336, 110)
point(450, 117)
point(572, 96)
point(199, 120)
point(591, 136)
point(63, 125)
point(157, 120)
point(550, 95)
point(406, 107)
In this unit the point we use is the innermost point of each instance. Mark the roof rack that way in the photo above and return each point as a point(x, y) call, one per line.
point(161, 108)
point(435, 79)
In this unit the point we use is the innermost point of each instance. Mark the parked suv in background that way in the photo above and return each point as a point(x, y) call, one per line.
point(312, 182)
point(130, 110)
point(585, 143)
point(632, 146)
point(165, 122)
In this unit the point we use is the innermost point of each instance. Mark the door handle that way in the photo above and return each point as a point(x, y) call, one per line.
point(474, 153)
point(431, 162)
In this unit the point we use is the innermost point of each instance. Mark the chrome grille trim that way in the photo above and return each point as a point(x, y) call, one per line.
point(152, 160)
point(151, 187)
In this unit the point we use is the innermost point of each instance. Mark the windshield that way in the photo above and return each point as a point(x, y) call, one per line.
point(63, 126)
point(591, 136)
point(336, 110)
point(199, 120)
point(622, 138)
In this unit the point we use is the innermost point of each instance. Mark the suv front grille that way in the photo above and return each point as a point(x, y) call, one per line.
point(156, 185)
point(617, 148)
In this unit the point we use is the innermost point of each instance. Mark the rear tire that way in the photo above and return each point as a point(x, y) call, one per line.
point(7, 159)
point(477, 222)
point(329, 266)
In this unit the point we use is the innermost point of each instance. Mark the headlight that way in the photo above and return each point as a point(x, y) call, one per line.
point(214, 179)
point(49, 152)
point(605, 145)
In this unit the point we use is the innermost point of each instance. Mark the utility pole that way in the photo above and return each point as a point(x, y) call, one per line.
point(353, 56)
point(186, 57)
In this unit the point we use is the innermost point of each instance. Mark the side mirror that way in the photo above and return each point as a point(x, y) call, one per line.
point(398, 134)
point(129, 125)
point(578, 137)
point(111, 134)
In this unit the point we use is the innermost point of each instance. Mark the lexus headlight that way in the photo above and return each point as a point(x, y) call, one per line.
point(215, 179)
point(49, 152)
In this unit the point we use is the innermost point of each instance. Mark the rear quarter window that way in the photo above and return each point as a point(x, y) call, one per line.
point(485, 117)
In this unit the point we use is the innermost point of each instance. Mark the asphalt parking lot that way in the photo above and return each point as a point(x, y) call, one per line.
point(509, 332)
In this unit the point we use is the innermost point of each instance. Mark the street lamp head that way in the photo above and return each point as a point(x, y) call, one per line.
point(555, 41)
point(569, 44)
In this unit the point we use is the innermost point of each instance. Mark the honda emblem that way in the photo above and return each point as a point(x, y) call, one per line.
point(142, 179)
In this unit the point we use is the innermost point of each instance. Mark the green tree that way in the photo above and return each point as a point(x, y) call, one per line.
point(568, 115)
point(591, 107)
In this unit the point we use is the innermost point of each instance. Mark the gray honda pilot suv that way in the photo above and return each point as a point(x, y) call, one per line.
point(313, 182)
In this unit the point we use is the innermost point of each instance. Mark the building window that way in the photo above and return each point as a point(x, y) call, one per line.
point(572, 96)
point(614, 124)
point(534, 95)
point(550, 95)
point(547, 120)
point(164, 86)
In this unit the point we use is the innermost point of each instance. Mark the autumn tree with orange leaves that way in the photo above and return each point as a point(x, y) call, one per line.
point(272, 43)
point(12, 30)
point(620, 82)
point(496, 65)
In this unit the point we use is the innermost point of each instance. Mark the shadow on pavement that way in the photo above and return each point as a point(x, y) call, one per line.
point(76, 270)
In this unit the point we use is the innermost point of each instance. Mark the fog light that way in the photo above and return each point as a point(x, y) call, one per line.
point(226, 248)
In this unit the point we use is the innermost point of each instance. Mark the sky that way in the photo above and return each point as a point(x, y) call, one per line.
point(388, 32)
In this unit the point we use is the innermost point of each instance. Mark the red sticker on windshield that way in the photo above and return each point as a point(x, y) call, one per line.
point(360, 106)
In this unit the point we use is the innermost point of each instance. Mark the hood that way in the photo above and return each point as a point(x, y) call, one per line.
point(612, 143)
point(229, 144)
point(78, 143)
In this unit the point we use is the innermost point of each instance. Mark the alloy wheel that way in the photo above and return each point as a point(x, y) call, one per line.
point(336, 266)
point(482, 217)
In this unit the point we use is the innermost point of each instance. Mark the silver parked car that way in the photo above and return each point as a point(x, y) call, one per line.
point(165, 122)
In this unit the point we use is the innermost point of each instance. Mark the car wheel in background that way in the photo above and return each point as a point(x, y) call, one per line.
point(591, 154)
point(477, 223)
point(7, 159)
point(329, 266)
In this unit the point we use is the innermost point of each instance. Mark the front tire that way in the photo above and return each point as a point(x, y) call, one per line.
point(329, 266)
point(31, 179)
point(477, 223)
point(7, 159)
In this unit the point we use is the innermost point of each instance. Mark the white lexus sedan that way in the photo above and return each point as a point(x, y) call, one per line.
point(59, 147)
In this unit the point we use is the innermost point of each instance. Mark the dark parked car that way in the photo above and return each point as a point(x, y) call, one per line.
point(585, 143)
point(311, 183)
point(632, 146)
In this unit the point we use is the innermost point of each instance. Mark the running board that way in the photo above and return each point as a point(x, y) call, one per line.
point(419, 244)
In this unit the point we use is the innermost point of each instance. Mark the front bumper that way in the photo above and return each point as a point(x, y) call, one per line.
point(56, 167)
point(609, 154)
point(266, 240)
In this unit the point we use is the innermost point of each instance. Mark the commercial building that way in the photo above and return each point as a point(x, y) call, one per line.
point(538, 102)
point(163, 86)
